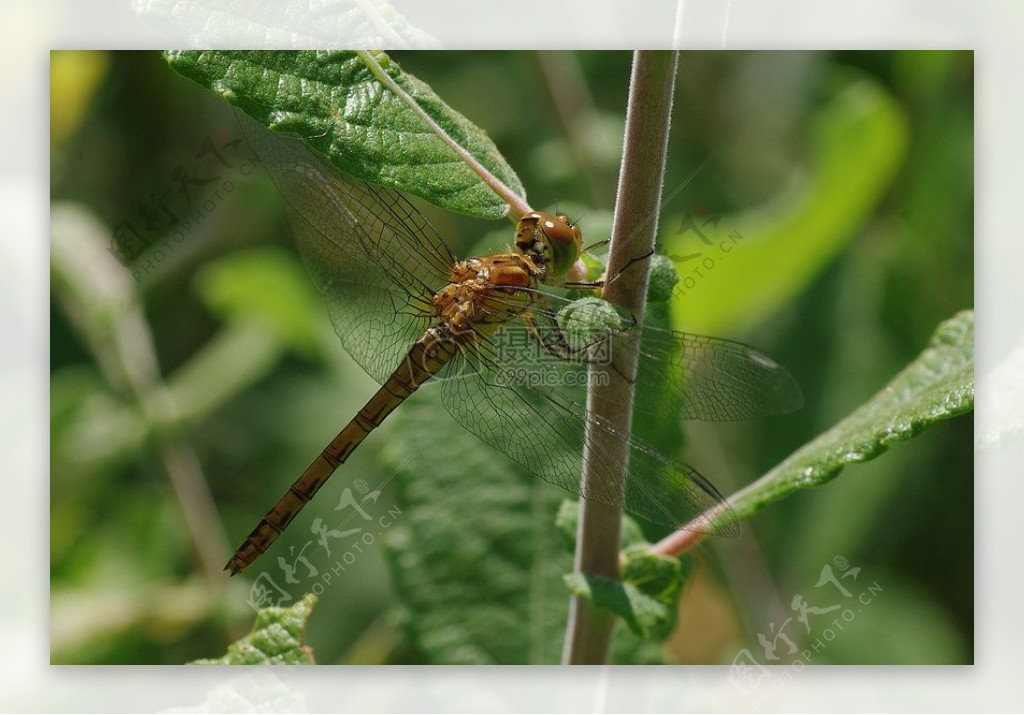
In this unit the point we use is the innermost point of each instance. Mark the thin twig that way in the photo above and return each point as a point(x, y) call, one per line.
point(636, 210)
point(690, 535)
point(574, 106)
point(103, 305)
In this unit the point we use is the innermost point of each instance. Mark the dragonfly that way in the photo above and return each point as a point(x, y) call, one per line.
point(488, 330)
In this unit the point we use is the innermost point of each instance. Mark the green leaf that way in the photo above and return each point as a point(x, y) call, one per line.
point(646, 597)
point(938, 385)
point(755, 261)
point(663, 279)
point(582, 319)
point(276, 638)
point(334, 102)
point(476, 559)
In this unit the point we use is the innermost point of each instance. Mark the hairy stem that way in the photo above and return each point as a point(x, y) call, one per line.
point(633, 234)
point(517, 205)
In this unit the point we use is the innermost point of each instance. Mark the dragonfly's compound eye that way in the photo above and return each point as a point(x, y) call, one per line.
point(566, 241)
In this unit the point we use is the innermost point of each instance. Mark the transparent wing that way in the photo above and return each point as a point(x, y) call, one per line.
point(719, 380)
point(543, 429)
point(526, 396)
point(689, 376)
point(374, 258)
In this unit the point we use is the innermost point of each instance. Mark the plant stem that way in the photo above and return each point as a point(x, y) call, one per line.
point(105, 307)
point(574, 106)
point(516, 204)
point(637, 206)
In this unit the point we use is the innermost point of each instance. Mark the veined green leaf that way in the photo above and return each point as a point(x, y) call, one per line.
point(276, 638)
point(333, 101)
point(646, 597)
point(476, 558)
point(938, 385)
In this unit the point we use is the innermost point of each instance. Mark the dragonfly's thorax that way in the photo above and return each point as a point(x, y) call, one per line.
point(486, 292)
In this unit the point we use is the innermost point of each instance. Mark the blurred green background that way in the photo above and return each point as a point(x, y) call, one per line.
point(185, 402)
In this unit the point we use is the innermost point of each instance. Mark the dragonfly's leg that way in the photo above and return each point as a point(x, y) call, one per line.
point(585, 349)
point(418, 307)
point(594, 285)
point(559, 347)
point(562, 343)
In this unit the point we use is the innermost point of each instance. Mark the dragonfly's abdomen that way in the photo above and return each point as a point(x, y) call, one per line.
point(428, 355)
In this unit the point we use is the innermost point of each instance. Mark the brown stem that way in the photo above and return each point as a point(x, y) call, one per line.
point(636, 220)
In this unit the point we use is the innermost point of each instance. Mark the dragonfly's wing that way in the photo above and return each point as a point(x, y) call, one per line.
point(694, 377)
point(719, 380)
point(375, 259)
point(543, 429)
point(528, 401)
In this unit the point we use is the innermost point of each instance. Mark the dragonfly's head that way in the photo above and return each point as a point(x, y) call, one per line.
point(552, 242)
